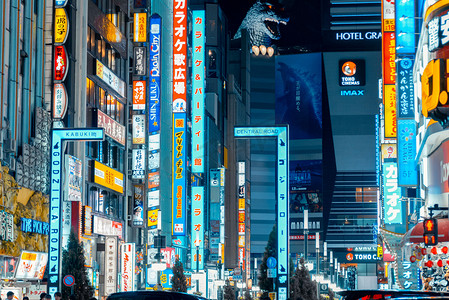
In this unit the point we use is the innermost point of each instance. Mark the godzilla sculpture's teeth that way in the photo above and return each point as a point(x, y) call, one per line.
point(263, 49)
point(255, 50)
point(272, 20)
point(283, 22)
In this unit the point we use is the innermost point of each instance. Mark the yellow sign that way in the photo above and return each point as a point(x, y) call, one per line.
point(380, 251)
point(241, 241)
point(272, 295)
point(390, 110)
point(61, 26)
point(110, 178)
point(241, 203)
point(152, 218)
point(433, 92)
point(140, 27)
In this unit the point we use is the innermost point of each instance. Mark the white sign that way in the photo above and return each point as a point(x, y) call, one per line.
point(138, 164)
point(59, 101)
point(128, 259)
point(110, 78)
point(110, 285)
point(74, 178)
point(138, 129)
point(154, 142)
point(107, 227)
point(31, 265)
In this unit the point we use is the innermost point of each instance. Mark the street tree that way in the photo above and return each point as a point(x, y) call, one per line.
point(178, 281)
point(73, 263)
point(301, 284)
point(228, 293)
point(265, 283)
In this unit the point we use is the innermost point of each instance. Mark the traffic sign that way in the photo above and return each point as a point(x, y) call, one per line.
point(271, 262)
point(68, 280)
point(271, 273)
point(237, 271)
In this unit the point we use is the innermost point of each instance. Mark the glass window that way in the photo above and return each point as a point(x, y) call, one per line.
point(102, 99)
point(90, 92)
point(111, 107)
point(120, 113)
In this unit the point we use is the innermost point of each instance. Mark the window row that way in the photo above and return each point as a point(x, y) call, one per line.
point(108, 154)
point(99, 98)
point(106, 202)
point(104, 52)
point(113, 13)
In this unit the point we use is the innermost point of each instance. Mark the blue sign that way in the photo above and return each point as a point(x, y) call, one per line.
point(197, 232)
point(198, 90)
point(407, 173)
point(30, 225)
point(271, 262)
point(405, 92)
point(405, 26)
point(59, 135)
point(60, 3)
point(155, 74)
point(392, 194)
point(179, 175)
point(281, 133)
point(68, 280)
point(165, 279)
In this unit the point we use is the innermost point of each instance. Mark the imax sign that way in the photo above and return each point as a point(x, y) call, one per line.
point(352, 93)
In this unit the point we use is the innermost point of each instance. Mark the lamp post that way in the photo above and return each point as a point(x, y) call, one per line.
point(306, 232)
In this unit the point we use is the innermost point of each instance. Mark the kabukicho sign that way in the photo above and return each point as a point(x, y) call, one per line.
point(61, 26)
point(61, 63)
point(59, 101)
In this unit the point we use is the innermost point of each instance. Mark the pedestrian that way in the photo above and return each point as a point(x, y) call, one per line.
point(58, 296)
point(9, 295)
point(25, 298)
point(47, 297)
point(42, 296)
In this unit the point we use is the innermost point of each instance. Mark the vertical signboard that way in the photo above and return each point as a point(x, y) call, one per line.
point(139, 94)
point(140, 61)
point(282, 197)
point(110, 257)
point(74, 178)
point(179, 55)
point(140, 27)
point(392, 194)
point(155, 74)
point(61, 26)
point(197, 231)
point(139, 129)
point(405, 94)
point(138, 210)
point(179, 174)
point(241, 180)
point(54, 245)
point(405, 26)
point(198, 92)
point(138, 164)
point(407, 173)
point(390, 126)
point(127, 266)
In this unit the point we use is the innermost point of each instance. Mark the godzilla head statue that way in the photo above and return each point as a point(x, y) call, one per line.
point(262, 23)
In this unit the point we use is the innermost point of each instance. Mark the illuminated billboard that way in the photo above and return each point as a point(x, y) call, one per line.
point(406, 92)
point(407, 172)
point(405, 26)
point(179, 174)
point(392, 194)
point(155, 74)
point(140, 27)
point(197, 232)
point(139, 94)
point(198, 90)
point(179, 55)
point(299, 94)
point(390, 111)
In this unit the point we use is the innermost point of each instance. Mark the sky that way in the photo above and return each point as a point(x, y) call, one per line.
point(303, 29)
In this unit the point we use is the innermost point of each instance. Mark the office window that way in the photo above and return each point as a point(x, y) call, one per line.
point(102, 99)
point(366, 194)
point(111, 108)
point(120, 113)
point(90, 92)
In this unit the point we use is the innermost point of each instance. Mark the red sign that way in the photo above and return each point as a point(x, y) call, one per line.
point(241, 216)
point(179, 55)
point(61, 63)
point(389, 56)
point(241, 228)
point(111, 127)
point(139, 94)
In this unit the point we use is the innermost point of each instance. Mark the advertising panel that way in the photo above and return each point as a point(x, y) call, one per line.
point(392, 194)
point(138, 129)
point(110, 282)
point(154, 142)
point(106, 227)
point(108, 177)
point(155, 73)
point(169, 256)
point(407, 173)
point(110, 78)
point(74, 178)
point(179, 55)
point(298, 94)
point(138, 164)
point(405, 93)
point(437, 175)
point(87, 251)
point(139, 94)
point(31, 265)
point(198, 90)
point(61, 66)
point(438, 34)
point(140, 27)
point(127, 266)
point(179, 175)
point(389, 151)
point(306, 186)
point(61, 26)
point(352, 72)
point(389, 57)
point(138, 210)
point(153, 180)
point(7, 228)
point(152, 218)
point(87, 220)
point(59, 101)
point(405, 26)
point(390, 111)
point(111, 127)
point(30, 225)
point(197, 227)
point(140, 61)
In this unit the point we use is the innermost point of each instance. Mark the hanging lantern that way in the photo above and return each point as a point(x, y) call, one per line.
point(440, 263)
point(429, 264)
point(412, 258)
point(418, 256)
point(434, 250)
point(423, 251)
point(444, 250)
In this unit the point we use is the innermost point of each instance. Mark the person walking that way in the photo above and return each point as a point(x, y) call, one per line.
point(10, 295)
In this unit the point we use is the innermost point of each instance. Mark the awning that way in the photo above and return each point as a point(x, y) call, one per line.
point(415, 235)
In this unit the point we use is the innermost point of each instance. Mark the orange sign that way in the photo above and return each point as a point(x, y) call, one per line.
point(241, 216)
point(241, 203)
point(139, 94)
